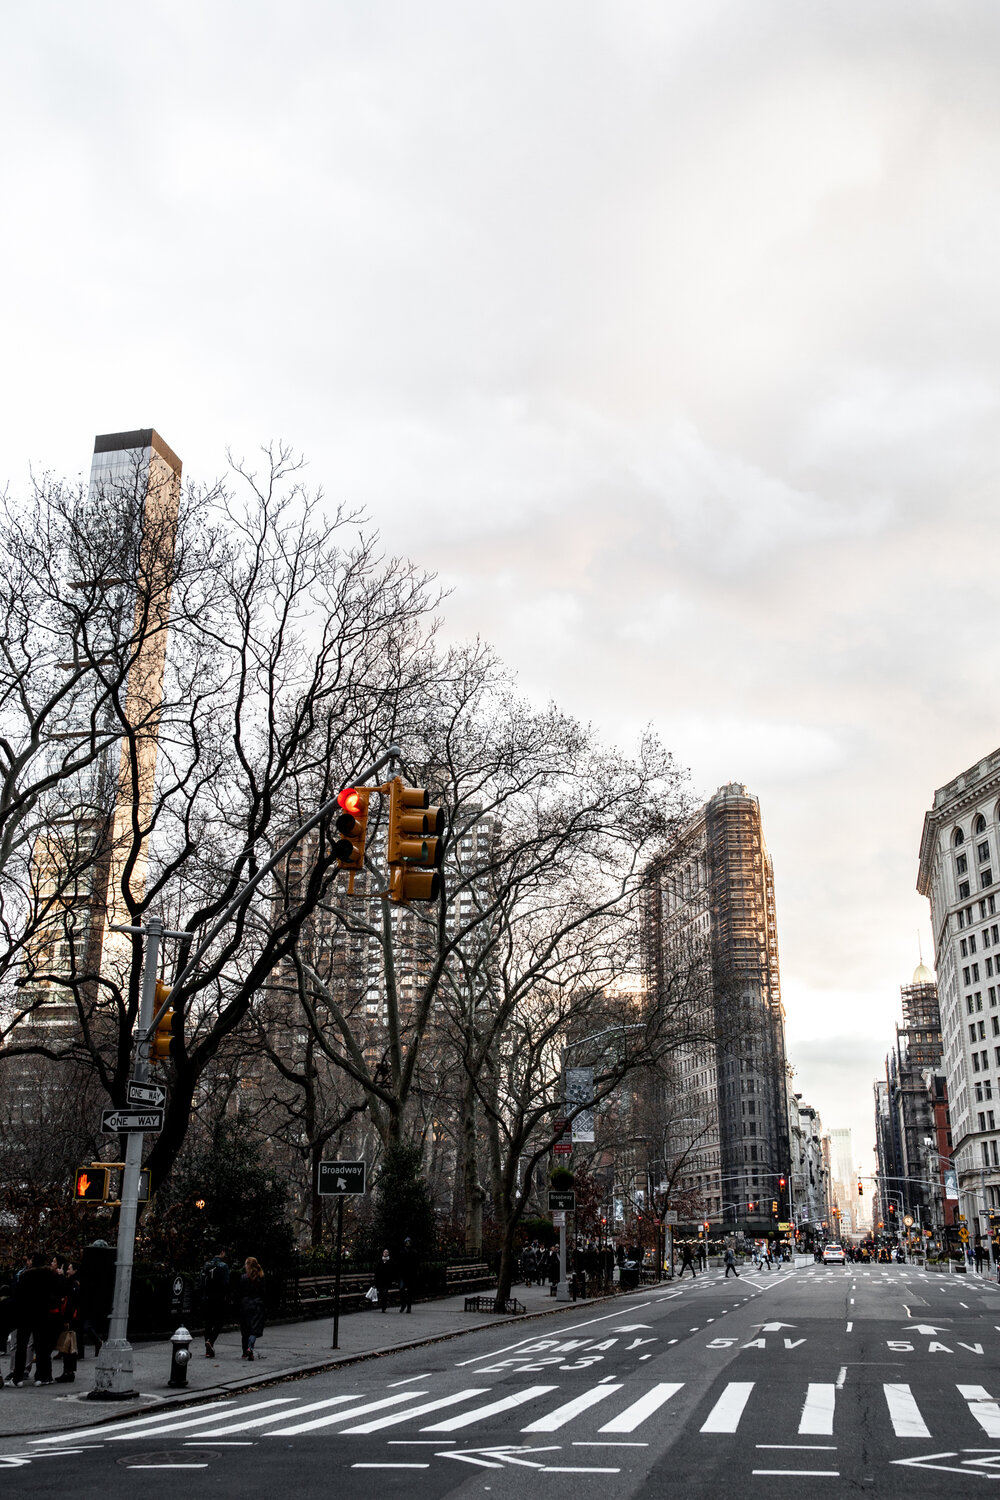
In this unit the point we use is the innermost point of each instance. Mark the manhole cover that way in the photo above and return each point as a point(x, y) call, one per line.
point(170, 1458)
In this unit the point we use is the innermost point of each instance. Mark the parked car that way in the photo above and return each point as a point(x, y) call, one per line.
point(834, 1255)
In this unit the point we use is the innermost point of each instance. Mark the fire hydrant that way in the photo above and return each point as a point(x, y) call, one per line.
point(180, 1357)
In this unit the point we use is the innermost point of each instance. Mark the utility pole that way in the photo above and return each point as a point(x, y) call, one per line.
point(114, 1376)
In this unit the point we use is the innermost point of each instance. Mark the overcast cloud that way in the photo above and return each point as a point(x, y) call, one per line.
point(666, 333)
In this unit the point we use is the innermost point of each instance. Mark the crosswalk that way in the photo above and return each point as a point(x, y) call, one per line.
point(617, 1410)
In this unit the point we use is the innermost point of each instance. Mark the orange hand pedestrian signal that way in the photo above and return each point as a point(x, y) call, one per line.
point(91, 1185)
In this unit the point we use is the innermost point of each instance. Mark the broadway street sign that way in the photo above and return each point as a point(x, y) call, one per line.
point(115, 1121)
point(340, 1179)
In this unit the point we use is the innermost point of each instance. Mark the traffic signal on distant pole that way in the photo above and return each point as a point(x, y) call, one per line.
point(352, 826)
point(415, 846)
point(774, 1207)
point(90, 1185)
point(861, 1191)
point(168, 1038)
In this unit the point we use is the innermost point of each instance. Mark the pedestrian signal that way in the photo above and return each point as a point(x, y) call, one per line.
point(415, 846)
point(352, 825)
point(91, 1185)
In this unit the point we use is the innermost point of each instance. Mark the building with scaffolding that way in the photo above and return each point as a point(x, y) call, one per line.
point(712, 913)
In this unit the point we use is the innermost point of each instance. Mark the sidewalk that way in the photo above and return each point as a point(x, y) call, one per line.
point(285, 1350)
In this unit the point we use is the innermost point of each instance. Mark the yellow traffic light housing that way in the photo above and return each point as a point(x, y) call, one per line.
point(352, 826)
point(415, 846)
point(168, 1037)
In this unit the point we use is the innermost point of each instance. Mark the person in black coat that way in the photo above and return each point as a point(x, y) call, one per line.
point(251, 1294)
point(39, 1298)
point(385, 1278)
point(407, 1271)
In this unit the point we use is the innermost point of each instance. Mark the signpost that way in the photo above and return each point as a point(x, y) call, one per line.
point(340, 1180)
point(563, 1144)
point(561, 1200)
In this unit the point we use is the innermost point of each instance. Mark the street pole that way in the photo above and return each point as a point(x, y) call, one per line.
point(336, 1283)
point(114, 1378)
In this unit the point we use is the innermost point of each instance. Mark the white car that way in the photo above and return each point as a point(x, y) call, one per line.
point(833, 1255)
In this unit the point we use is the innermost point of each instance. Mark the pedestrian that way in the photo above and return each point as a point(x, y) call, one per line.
point(687, 1261)
point(68, 1339)
point(214, 1286)
point(251, 1305)
point(97, 1286)
point(730, 1260)
point(979, 1256)
point(8, 1322)
point(703, 1255)
point(407, 1271)
point(528, 1265)
point(39, 1300)
point(385, 1275)
point(765, 1254)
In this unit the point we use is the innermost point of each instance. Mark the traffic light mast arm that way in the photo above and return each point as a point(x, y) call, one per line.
point(393, 753)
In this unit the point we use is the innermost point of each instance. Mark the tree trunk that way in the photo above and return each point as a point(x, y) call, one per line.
point(474, 1194)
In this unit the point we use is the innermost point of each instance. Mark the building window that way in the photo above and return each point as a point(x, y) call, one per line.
point(961, 919)
point(961, 864)
point(972, 943)
point(963, 945)
point(963, 889)
point(989, 968)
point(983, 851)
point(958, 837)
point(965, 975)
point(975, 1060)
point(975, 973)
point(982, 1120)
point(990, 1122)
point(987, 1090)
point(985, 877)
point(979, 1093)
point(979, 826)
point(972, 1032)
point(984, 1147)
point(979, 996)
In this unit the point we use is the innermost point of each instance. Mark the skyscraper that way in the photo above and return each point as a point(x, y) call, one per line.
point(712, 910)
point(129, 513)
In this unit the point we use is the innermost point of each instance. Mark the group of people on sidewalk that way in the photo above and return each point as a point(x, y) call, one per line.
point(47, 1310)
point(222, 1295)
point(394, 1272)
point(539, 1264)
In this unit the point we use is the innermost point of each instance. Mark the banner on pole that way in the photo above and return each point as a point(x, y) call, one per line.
point(580, 1088)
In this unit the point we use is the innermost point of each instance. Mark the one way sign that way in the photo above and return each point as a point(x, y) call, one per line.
point(116, 1121)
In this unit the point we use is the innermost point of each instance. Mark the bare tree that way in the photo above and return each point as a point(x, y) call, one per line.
point(292, 644)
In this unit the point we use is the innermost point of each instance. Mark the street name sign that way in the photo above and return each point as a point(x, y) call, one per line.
point(340, 1179)
point(562, 1200)
point(152, 1095)
point(116, 1121)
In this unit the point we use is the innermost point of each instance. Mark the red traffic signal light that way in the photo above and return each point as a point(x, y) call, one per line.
point(415, 847)
point(861, 1191)
point(751, 1206)
point(892, 1208)
point(91, 1185)
point(352, 825)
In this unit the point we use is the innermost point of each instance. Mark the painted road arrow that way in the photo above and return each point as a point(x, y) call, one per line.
point(495, 1458)
point(631, 1327)
point(972, 1467)
point(923, 1328)
point(775, 1327)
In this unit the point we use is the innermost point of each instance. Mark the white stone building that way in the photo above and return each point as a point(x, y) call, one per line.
point(959, 864)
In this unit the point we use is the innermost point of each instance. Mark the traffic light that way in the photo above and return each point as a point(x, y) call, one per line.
point(415, 848)
point(168, 1038)
point(751, 1206)
point(782, 1183)
point(352, 825)
point(91, 1185)
point(861, 1191)
point(892, 1209)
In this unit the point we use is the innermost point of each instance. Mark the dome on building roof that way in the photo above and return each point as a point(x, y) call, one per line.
point(923, 975)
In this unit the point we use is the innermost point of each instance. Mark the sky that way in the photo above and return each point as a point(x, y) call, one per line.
point(666, 334)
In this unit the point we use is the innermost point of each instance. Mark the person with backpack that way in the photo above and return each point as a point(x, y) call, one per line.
point(214, 1299)
point(730, 1260)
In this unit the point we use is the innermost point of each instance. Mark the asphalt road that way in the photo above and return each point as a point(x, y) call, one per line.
point(817, 1381)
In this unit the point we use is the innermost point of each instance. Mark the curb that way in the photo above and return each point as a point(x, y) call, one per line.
point(296, 1372)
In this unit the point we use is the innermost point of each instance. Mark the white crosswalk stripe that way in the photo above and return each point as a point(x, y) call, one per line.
point(983, 1408)
point(904, 1412)
point(506, 1403)
point(817, 1414)
point(276, 1416)
point(419, 1411)
point(345, 1416)
point(727, 1411)
point(571, 1409)
point(176, 1422)
point(629, 1419)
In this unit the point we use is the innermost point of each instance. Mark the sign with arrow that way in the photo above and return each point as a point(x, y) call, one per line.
point(340, 1179)
point(126, 1121)
point(152, 1095)
point(564, 1200)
